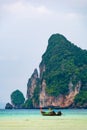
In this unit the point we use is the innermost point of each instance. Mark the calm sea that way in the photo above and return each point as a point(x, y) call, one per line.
point(29, 113)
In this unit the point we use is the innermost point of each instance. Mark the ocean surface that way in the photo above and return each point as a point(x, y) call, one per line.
point(31, 119)
point(28, 113)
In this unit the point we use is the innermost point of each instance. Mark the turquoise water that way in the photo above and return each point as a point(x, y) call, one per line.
point(67, 113)
point(72, 119)
point(12, 114)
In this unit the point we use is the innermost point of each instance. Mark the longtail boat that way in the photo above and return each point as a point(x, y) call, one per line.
point(51, 113)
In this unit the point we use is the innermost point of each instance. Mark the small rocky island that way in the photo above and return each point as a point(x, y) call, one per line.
point(62, 78)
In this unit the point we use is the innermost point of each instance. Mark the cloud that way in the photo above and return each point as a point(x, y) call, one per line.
point(25, 9)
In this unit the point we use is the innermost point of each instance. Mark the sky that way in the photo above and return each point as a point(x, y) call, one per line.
point(25, 27)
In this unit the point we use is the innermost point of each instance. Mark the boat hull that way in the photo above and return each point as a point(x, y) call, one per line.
point(51, 113)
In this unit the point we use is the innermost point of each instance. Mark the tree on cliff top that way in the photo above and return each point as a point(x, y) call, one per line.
point(17, 98)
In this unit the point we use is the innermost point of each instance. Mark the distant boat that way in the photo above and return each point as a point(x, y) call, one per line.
point(51, 113)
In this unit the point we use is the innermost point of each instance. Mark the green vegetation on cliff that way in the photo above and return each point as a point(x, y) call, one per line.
point(28, 104)
point(64, 69)
point(81, 99)
point(17, 99)
point(64, 62)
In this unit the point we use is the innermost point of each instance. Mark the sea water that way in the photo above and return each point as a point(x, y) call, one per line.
point(19, 113)
point(31, 119)
point(66, 113)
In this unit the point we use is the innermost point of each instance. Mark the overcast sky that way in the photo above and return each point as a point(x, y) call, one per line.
point(25, 27)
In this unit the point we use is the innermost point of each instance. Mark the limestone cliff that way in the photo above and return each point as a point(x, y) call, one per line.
point(63, 73)
point(32, 83)
point(33, 89)
point(62, 101)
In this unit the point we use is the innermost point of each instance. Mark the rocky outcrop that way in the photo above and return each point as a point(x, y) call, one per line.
point(8, 106)
point(43, 95)
point(32, 83)
point(45, 100)
point(62, 76)
point(62, 101)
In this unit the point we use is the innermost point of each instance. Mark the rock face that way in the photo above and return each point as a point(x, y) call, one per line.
point(32, 83)
point(8, 106)
point(62, 75)
point(33, 89)
point(62, 101)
